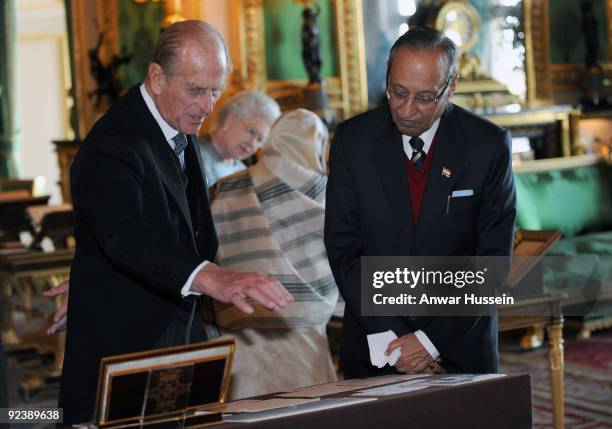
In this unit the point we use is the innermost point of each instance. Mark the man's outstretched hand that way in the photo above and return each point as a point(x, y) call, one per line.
point(233, 287)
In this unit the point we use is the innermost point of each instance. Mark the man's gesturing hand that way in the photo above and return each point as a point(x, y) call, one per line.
point(233, 287)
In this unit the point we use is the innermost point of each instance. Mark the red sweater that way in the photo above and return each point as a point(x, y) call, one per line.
point(417, 182)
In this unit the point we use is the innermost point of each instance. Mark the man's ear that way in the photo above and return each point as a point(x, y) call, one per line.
point(157, 78)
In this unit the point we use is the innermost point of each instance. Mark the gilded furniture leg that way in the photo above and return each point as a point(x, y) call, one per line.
point(555, 359)
point(26, 285)
point(37, 383)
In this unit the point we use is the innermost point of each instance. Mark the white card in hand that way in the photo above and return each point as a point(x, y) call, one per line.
point(378, 344)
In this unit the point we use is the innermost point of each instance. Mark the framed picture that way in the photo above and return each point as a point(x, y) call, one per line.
point(270, 51)
point(86, 21)
point(111, 43)
point(163, 383)
point(529, 248)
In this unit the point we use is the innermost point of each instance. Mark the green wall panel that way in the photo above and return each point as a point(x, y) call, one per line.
point(283, 28)
point(566, 38)
point(139, 27)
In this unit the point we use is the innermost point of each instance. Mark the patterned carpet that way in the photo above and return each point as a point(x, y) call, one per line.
point(588, 382)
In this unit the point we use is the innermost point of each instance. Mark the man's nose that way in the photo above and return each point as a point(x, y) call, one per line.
point(207, 103)
point(408, 108)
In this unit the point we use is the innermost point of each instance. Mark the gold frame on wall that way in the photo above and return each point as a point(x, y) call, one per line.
point(103, 15)
point(543, 77)
point(347, 92)
point(537, 52)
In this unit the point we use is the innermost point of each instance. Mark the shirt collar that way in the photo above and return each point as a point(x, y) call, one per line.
point(169, 132)
point(427, 138)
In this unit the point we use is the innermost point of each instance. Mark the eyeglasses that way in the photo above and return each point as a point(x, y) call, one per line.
point(253, 132)
point(421, 101)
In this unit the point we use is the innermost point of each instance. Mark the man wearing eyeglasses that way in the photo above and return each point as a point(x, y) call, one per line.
point(394, 172)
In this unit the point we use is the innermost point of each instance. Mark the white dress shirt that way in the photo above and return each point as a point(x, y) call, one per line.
point(427, 138)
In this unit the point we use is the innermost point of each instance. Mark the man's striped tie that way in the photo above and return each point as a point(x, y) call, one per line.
point(418, 156)
point(180, 143)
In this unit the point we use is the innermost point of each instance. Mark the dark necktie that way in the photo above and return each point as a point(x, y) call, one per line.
point(180, 143)
point(418, 156)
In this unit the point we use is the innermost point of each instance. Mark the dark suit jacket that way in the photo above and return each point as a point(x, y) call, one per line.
point(368, 213)
point(137, 244)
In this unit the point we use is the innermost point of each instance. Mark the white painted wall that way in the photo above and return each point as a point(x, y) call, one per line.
point(42, 79)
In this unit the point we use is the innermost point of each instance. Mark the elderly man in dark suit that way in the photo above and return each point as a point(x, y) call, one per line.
point(393, 172)
point(142, 275)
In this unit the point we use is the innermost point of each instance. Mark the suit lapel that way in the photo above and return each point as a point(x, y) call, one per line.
point(166, 161)
point(198, 156)
point(206, 235)
point(389, 158)
point(448, 153)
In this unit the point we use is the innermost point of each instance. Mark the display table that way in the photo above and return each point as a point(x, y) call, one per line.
point(499, 403)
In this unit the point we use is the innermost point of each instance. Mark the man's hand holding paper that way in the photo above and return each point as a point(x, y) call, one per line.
point(414, 357)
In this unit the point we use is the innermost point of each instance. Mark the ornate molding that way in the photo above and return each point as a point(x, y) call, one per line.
point(351, 52)
point(543, 78)
point(539, 89)
point(555, 347)
point(254, 66)
point(567, 77)
point(347, 92)
point(104, 15)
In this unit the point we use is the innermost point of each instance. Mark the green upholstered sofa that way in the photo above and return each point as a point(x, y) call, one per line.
point(573, 195)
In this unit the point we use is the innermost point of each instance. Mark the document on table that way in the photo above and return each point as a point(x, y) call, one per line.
point(377, 381)
point(307, 407)
point(348, 385)
point(393, 389)
point(257, 405)
point(451, 379)
point(426, 381)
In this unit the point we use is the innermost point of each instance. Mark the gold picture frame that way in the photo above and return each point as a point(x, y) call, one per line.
point(537, 52)
point(159, 372)
point(86, 19)
point(544, 78)
point(347, 91)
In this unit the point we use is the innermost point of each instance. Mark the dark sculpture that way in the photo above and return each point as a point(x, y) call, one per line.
point(310, 44)
point(107, 81)
point(594, 95)
point(590, 27)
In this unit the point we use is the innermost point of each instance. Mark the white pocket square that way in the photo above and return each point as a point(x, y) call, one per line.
point(462, 193)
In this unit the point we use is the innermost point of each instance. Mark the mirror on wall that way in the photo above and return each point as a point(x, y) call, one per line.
point(489, 34)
